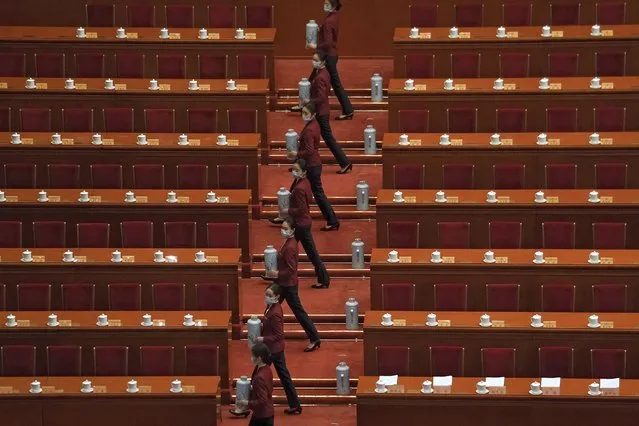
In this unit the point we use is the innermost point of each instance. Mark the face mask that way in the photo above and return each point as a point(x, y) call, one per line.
point(328, 8)
point(271, 300)
point(317, 64)
point(286, 234)
point(307, 119)
point(297, 174)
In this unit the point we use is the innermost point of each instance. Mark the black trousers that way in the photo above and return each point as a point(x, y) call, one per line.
point(304, 236)
point(329, 139)
point(314, 175)
point(279, 362)
point(292, 297)
point(342, 96)
point(261, 422)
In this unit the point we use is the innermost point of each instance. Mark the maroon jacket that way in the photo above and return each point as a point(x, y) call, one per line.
point(320, 89)
point(287, 263)
point(261, 399)
point(327, 34)
point(301, 199)
point(273, 328)
point(309, 144)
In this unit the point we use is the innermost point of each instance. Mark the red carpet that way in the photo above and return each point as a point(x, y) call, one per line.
point(334, 415)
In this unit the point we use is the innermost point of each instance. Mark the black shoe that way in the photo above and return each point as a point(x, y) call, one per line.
point(265, 278)
point(293, 411)
point(276, 220)
point(345, 169)
point(296, 108)
point(344, 117)
point(313, 346)
point(320, 285)
point(329, 228)
point(243, 414)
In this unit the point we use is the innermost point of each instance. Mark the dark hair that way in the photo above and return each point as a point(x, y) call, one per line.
point(290, 221)
point(337, 4)
point(276, 289)
point(260, 350)
point(302, 163)
point(321, 53)
point(311, 107)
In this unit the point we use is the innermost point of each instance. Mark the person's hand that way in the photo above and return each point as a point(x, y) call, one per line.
point(292, 155)
point(270, 274)
point(284, 212)
point(312, 46)
point(259, 339)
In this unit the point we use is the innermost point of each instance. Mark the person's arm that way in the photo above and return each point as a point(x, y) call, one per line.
point(260, 390)
point(285, 274)
point(276, 322)
point(307, 146)
point(322, 91)
point(328, 32)
point(297, 196)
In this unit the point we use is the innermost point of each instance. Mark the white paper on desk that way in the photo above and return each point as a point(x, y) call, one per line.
point(495, 382)
point(551, 382)
point(443, 381)
point(389, 380)
point(609, 383)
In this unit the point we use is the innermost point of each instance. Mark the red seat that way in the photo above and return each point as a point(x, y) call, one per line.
point(393, 360)
point(610, 63)
point(180, 234)
point(168, 297)
point(561, 176)
point(610, 119)
point(34, 296)
point(423, 15)
point(458, 176)
point(608, 363)
point(171, 66)
point(465, 65)
point(5, 119)
point(609, 236)
point(232, 176)
point(129, 65)
point(111, 360)
point(461, 120)
point(402, 234)
point(502, 297)
point(140, 15)
point(609, 13)
point(223, 235)
point(558, 235)
point(469, 15)
point(125, 297)
point(136, 234)
point(77, 119)
point(609, 298)
point(611, 175)
point(514, 65)
point(100, 15)
point(156, 360)
point(89, 65)
point(242, 120)
point(118, 119)
point(398, 296)
point(565, 13)
point(213, 66)
point(192, 176)
point(222, 15)
point(509, 176)
point(48, 234)
point(420, 65)
point(516, 14)
point(556, 361)
point(504, 235)
point(202, 360)
point(50, 65)
point(63, 175)
point(179, 16)
point(202, 120)
point(451, 297)
point(453, 234)
point(19, 175)
point(18, 360)
point(148, 176)
point(212, 296)
point(558, 297)
point(13, 64)
point(3, 297)
point(563, 64)
point(446, 360)
point(78, 297)
point(93, 235)
point(159, 120)
point(498, 362)
point(413, 120)
point(64, 360)
point(35, 119)
point(259, 16)
point(10, 234)
point(408, 176)
point(106, 176)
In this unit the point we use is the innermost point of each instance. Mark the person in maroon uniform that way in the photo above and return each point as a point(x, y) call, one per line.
point(261, 399)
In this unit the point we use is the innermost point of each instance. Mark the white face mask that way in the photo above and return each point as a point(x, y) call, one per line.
point(297, 175)
point(317, 64)
point(286, 234)
point(271, 300)
point(307, 119)
point(327, 7)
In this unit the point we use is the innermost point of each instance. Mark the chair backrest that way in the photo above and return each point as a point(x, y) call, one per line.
point(446, 360)
point(451, 297)
point(398, 296)
point(402, 234)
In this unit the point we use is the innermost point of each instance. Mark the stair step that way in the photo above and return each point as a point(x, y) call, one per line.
point(342, 211)
point(313, 396)
point(303, 257)
point(357, 157)
point(306, 382)
point(359, 102)
point(271, 201)
point(317, 318)
point(348, 144)
point(341, 270)
point(327, 331)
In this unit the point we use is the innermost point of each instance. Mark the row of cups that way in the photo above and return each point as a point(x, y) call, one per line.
point(43, 197)
point(164, 33)
point(116, 257)
point(546, 31)
point(489, 257)
point(495, 139)
point(544, 84)
point(491, 197)
point(87, 386)
point(96, 139)
point(110, 85)
point(485, 321)
point(103, 321)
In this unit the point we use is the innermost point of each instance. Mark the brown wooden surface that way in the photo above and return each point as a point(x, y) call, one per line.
point(570, 329)
point(575, 92)
point(512, 404)
point(619, 205)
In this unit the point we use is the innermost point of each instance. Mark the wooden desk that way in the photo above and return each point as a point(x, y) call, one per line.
point(516, 148)
point(568, 329)
point(62, 403)
point(512, 404)
point(575, 92)
point(514, 267)
point(619, 205)
point(122, 148)
point(574, 39)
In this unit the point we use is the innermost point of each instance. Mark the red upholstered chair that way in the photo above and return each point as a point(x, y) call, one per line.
point(180, 234)
point(34, 296)
point(516, 14)
point(223, 235)
point(423, 15)
point(420, 65)
point(222, 15)
point(213, 66)
point(565, 13)
point(610, 63)
point(502, 297)
point(453, 234)
point(93, 235)
point(159, 120)
point(504, 234)
point(64, 360)
point(78, 297)
point(498, 362)
point(202, 360)
point(609, 298)
point(609, 13)
point(609, 235)
point(413, 120)
point(35, 119)
point(461, 120)
point(3, 297)
point(136, 234)
point(202, 120)
point(610, 119)
point(111, 360)
point(171, 66)
point(140, 15)
point(192, 176)
point(398, 296)
point(401, 234)
point(18, 360)
point(556, 361)
point(393, 360)
point(129, 65)
point(446, 360)
point(168, 297)
point(469, 15)
point(451, 297)
point(125, 297)
point(458, 176)
point(50, 65)
point(18, 175)
point(157, 360)
point(611, 175)
point(558, 235)
point(63, 175)
point(408, 176)
point(514, 65)
point(13, 64)
point(106, 176)
point(608, 363)
point(10, 234)
point(232, 176)
point(5, 119)
point(259, 16)
point(77, 119)
point(561, 176)
point(563, 64)
point(100, 15)
point(179, 16)
point(212, 296)
point(242, 120)
point(148, 176)
point(509, 176)
point(49, 234)
point(118, 119)
point(465, 65)
point(558, 297)
point(89, 65)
